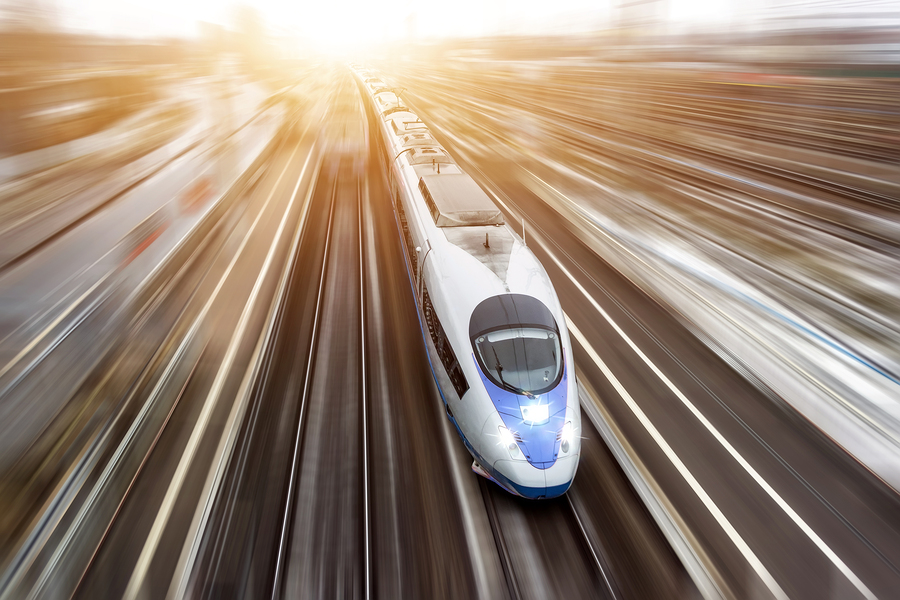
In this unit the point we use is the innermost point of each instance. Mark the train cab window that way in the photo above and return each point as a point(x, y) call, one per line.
point(524, 360)
point(517, 344)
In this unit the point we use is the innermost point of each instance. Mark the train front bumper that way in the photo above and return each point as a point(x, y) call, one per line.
point(523, 479)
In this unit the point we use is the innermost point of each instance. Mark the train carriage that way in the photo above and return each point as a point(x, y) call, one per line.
point(492, 323)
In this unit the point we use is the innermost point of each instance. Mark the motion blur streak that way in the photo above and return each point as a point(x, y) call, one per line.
point(215, 377)
point(175, 485)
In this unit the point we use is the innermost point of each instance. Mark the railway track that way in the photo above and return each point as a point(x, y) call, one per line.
point(824, 193)
point(294, 474)
point(87, 356)
point(364, 425)
point(64, 545)
point(268, 531)
point(78, 546)
point(552, 527)
point(819, 205)
point(333, 406)
point(715, 112)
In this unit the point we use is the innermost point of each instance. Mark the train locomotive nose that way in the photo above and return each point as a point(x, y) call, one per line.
point(523, 368)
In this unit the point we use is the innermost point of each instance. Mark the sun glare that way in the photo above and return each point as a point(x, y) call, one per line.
point(337, 27)
point(341, 26)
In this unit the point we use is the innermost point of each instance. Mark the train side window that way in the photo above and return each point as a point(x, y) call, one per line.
point(444, 349)
point(407, 238)
point(429, 201)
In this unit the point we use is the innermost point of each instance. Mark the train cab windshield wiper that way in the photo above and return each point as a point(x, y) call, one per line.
point(507, 385)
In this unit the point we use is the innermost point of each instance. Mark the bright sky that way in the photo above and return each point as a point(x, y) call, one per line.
point(322, 19)
point(337, 23)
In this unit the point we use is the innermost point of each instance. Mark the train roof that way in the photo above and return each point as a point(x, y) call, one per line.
point(386, 100)
point(395, 109)
point(419, 138)
point(428, 155)
point(402, 127)
point(403, 114)
point(455, 200)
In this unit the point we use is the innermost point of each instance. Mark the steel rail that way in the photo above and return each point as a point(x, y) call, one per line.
point(138, 472)
point(590, 546)
point(364, 407)
point(512, 584)
point(295, 462)
point(254, 374)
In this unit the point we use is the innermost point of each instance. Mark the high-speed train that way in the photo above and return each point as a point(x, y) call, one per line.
point(495, 332)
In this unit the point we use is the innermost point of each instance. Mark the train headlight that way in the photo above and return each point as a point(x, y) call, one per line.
point(508, 440)
point(506, 436)
point(566, 437)
point(536, 413)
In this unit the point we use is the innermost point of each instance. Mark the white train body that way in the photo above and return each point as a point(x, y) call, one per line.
point(493, 326)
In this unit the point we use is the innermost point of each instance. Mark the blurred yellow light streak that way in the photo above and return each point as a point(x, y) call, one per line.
point(682, 469)
point(136, 581)
point(748, 84)
point(37, 339)
point(224, 450)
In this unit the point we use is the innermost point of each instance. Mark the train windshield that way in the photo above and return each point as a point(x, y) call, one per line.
point(517, 344)
point(524, 360)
